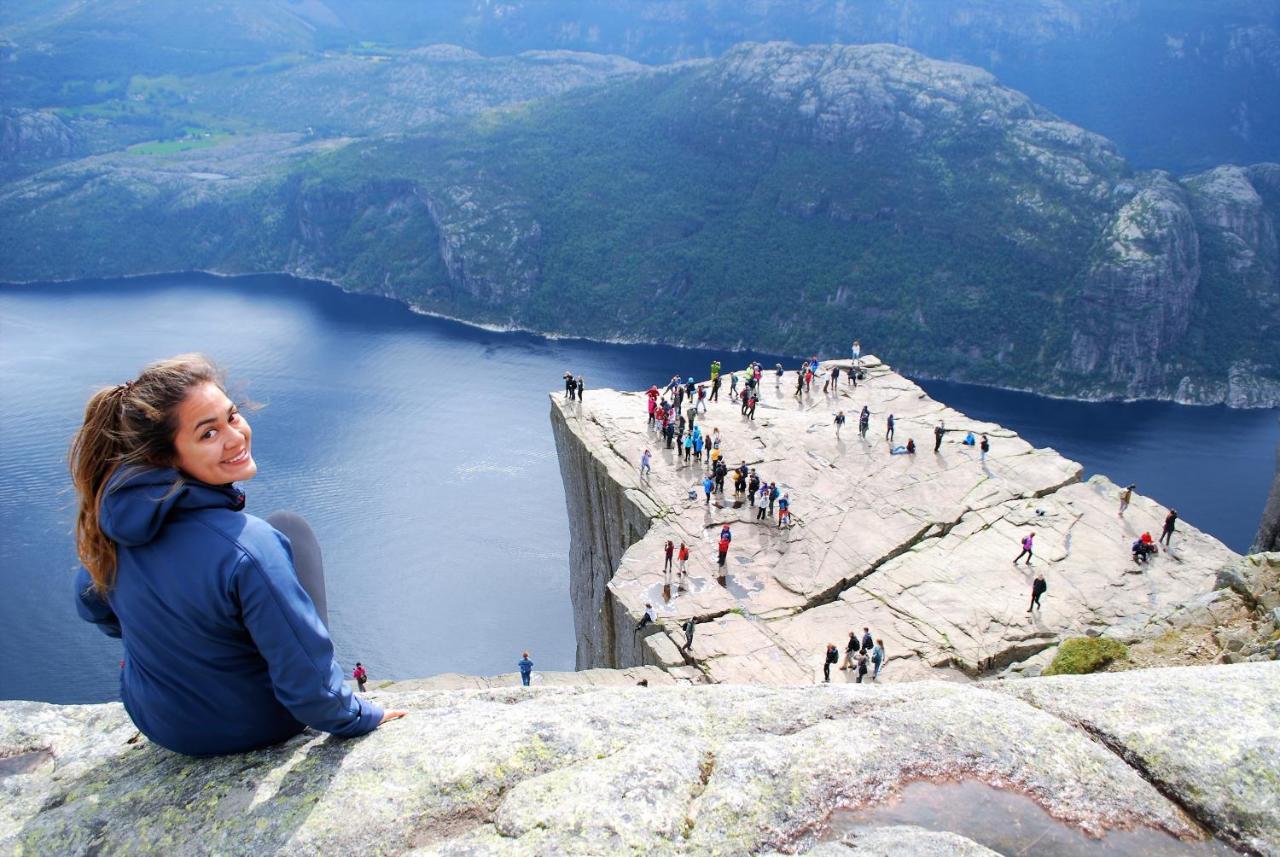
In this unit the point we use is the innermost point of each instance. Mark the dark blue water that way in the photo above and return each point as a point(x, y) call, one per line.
point(421, 451)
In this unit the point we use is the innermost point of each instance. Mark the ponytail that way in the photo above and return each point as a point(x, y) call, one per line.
point(129, 425)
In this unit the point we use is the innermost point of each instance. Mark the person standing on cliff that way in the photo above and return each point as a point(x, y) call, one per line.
point(839, 423)
point(1125, 497)
point(645, 462)
point(1038, 588)
point(984, 447)
point(751, 406)
point(688, 448)
point(688, 627)
point(1166, 535)
point(938, 431)
point(668, 552)
point(832, 656)
point(526, 669)
point(708, 484)
point(1027, 544)
point(856, 351)
point(850, 651)
point(722, 549)
point(715, 389)
point(864, 422)
point(762, 502)
point(862, 666)
point(582, 386)
point(877, 658)
point(888, 431)
point(773, 496)
point(683, 556)
point(361, 675)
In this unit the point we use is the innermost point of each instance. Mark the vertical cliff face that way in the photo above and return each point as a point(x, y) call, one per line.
point(605, 518)
point(1268, 538)
point(1138, 293)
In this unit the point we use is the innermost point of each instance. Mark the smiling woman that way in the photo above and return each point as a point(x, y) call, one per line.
point(225, 649)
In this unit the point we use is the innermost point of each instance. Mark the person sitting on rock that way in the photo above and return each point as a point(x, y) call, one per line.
point(222, 614)
point(1143, 551)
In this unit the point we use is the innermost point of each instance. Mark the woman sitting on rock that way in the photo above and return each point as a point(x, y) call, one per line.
point(222, 614)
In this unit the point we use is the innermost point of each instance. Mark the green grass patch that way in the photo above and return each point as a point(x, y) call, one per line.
point(1081, 655)
point(170, 147)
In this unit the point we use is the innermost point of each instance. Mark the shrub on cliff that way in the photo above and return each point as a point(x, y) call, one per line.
point(1079, 655)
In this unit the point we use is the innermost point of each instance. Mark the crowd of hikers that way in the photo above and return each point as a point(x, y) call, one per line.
point(677, 414)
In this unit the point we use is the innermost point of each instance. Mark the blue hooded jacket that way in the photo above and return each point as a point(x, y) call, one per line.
point(224, 651)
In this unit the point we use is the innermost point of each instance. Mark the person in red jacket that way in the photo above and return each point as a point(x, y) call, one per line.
point(360, 675)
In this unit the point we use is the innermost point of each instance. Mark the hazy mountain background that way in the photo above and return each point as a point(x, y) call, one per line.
point(1097, 218)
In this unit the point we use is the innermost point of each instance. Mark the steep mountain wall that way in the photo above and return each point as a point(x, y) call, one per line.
point(816, 191)
point(1268, 538)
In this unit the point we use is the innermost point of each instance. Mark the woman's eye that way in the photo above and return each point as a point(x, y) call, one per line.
point(208, 434)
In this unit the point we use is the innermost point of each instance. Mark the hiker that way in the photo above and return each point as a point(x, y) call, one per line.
point(911, 446)
point(733, 386)
point(526, 669)
point(1125, 496)
point(1143, 551)
point(570, 386)
point(650, 615)
point(688, 627)
point(850, 651)
point(1038, 588)
point(722, 549)
point(839, 423)
point(582, 386)
point(877, 658)
point(707, 484)
point(645, 469)
point(984, 448)
point(683, 556)
point(224, 614)
point(867, 642)
point(862, 666)
point(668, 551)
point(799, 381)
point(1166, 535)
point(969, 440)
point(938, 431)
point(1026, 548)
point(833, 380)
point(784, 511)
point(361, 675)
point(864, 422)
point(888, 431)
point(751, 407)
point(688, 448)
point(702, 398)
point(773, 496)
point(856, 350)
point(832, 656)
point(777, 375)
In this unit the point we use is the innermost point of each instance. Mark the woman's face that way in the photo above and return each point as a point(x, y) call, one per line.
point(213, 440)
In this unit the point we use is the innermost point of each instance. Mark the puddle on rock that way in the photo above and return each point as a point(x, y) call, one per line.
point(1008, 823)
point(24, 763)
point(741, 586)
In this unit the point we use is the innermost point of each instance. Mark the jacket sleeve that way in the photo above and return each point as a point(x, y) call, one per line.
point(288, 632)
point(92, 607)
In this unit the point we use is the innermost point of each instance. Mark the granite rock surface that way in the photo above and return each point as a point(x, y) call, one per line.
point(670, 770)
point(917, 548)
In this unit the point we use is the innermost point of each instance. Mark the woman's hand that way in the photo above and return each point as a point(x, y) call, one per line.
point(388, 716)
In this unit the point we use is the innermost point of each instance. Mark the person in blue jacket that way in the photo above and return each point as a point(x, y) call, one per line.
point(220, 613)
point(526, 669)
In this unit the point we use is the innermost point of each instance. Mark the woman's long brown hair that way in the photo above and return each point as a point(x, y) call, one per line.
point(130, 424)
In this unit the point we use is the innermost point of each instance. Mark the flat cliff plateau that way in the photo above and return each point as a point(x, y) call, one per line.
point(918, 548)
point(667, 770)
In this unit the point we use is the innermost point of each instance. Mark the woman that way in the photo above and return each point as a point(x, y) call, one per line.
point(221, 614)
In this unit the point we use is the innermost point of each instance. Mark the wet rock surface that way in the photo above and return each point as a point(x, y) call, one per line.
point(670, 770)
point(918, 548)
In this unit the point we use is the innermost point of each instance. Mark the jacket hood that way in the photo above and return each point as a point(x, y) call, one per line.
point(139, 500)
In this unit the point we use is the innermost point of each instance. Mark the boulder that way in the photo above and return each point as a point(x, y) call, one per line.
point(661, 770)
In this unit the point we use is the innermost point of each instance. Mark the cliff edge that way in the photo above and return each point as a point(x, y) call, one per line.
point(919, 548)
point(673, 770)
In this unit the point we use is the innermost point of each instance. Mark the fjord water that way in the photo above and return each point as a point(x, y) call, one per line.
point(421, 451)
